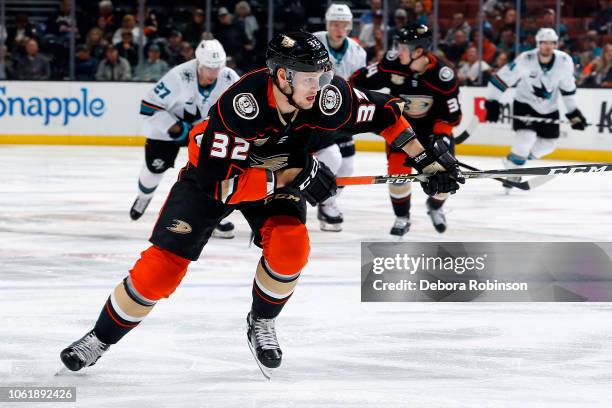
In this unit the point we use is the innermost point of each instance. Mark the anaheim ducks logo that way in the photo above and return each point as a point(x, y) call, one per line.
point(273, 163)
point(180, 227)
point(417, 106)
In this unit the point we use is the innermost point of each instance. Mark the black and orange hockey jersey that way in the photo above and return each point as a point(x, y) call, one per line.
point(431, 98)
point(246, 139)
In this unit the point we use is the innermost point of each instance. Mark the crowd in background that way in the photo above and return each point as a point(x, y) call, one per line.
point(107, 37)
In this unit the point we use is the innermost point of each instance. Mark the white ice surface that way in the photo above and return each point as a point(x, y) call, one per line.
point(66, 240)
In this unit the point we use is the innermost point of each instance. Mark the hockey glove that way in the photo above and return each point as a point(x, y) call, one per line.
point(182, 133)
point(493, 110)
point(316, 182)
point(577, 120)
point(438, 161)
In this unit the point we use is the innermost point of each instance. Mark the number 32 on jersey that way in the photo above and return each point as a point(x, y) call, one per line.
point(224, 146)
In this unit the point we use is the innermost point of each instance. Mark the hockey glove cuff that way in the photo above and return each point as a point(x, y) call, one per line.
point(577, 120)
point(316, 182)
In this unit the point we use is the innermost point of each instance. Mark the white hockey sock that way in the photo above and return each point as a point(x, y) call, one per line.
point(148, 181)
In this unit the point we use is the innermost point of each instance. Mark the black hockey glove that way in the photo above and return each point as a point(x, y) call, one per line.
point(493, 110)
point(316, 182)
point(183, 132)
point(438, 160)
point(577, 120)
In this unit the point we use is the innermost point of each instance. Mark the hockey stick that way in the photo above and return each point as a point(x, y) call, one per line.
point(467, 132)
point(521, 185)
point(549, 120)
point(529, 171)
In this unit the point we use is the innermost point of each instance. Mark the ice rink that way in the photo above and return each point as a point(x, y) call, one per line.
point(66, 240)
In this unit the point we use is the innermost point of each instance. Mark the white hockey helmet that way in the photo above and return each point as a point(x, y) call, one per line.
point(546, 34)
point(210, 53)
point(339, 12)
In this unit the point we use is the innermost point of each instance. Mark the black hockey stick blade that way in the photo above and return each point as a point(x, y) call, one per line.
point(469, 131)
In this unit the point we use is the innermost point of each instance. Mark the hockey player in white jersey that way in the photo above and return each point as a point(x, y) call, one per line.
point(540, 75)
point(178, 101)
point(338, 152)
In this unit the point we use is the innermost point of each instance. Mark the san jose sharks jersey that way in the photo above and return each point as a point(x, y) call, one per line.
point(537, 85)
point(246, 139)
point(346, 61)
point(177, 96)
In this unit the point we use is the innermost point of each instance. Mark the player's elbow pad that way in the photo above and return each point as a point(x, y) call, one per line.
point(404, 138)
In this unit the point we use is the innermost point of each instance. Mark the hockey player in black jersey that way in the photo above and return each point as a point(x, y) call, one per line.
point(250, 155)
point(429, 88)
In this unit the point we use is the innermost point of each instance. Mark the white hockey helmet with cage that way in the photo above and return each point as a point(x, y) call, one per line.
point(339, 12)
point(210, 53)
point(546, 34)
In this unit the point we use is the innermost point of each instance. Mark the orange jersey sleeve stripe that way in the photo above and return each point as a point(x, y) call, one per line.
point(443, 128)
point(391, 132)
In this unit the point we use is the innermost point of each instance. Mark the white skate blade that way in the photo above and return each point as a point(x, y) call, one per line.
point(223, 234)
point(330, 227)
point(266, 371)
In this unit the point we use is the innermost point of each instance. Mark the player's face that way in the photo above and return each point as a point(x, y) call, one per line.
point(338, 30)
point(306, 85)
point(206, 75)
point(546, 48)
point(407, 54)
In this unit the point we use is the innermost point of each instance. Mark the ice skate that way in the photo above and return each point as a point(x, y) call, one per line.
point(140, 205)
point(83, 352)
point(224, 229)
point(400, 227)
point(261, 336)
point(330, 217)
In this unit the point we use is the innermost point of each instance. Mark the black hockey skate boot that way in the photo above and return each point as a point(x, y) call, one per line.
point(83, 352)
point(261, 336)
point(139, 207)
point(330, 217)
point(224, 229)
point(438, 219)
point(400, 227)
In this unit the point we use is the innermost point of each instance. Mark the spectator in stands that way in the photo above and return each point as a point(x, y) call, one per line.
point(400, 19)
point(590, 48)
point(468, 69)
point(128, 23)
point(187, 52)
point(602, 21)
point(509, 19)
point(60, 23)
point(84, 65)
point(21, 33)
point(366, 37)
point(127, 49)
point(455, 50)
point(194, 29)
point(421, 16)
point(458, 23)
point(529, 42)
point(507, 42)
point(151, 24)
point(106, 20)
point(368, 16)
point(500, 61)
point(96, 43)
point(234, 39)
point(113, 67)
point(32, 65)
point(488, 48)
point(549, 20)
point(173, 48)
point(246, 20)
point(408, 7)
point(598, 72)
point(153, 68)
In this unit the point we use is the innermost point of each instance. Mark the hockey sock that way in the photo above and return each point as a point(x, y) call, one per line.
point(401, 206)
point(148, 181)
point(123, 310)
point(271, 290)
point(435, 204)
